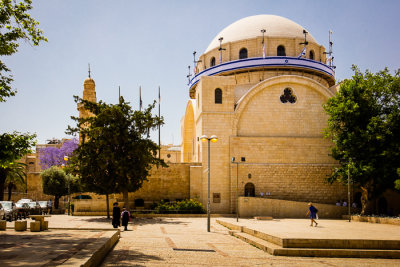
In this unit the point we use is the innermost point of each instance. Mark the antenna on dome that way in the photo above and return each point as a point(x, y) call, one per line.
point(220, 49)
point(89, 69)
point(195, 62)
point(263, 42)
point(189, 75)
point(305, 37)
point(330, 57)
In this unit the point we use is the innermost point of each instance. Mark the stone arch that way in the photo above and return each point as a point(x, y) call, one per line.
point(188, 134)
point(291, 80)
point(249, 190)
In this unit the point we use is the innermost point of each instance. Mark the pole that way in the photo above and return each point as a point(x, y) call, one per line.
point(348, 190)
point(237, 191)
point(69, 199)
point(208, 203)
point(159, 128)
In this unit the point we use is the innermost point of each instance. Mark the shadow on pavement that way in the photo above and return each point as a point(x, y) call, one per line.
point(44, 249)
point(124, 257)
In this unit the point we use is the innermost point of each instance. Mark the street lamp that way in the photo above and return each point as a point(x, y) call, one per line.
point(237, 185)
point(66, 158)
point(213, 139)
point(348, 188)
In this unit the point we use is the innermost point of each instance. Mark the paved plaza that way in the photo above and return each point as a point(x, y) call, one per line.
point(179, 242)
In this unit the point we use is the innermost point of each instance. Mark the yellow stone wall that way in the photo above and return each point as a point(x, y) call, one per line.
point(276, 208)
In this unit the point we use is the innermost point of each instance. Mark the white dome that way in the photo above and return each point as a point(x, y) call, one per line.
point(251, 27)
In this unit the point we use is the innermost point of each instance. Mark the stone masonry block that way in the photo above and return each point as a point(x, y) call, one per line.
point(35, 226)
point(20, 225)
point(3, 225)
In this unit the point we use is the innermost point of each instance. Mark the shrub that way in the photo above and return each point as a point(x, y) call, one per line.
point(187, 206)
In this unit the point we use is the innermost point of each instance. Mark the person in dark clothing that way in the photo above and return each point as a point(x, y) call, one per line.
point(312, 211)
point(116, 222)
point(126, 217)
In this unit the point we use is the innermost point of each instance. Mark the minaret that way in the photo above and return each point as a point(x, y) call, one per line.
point(89, 94)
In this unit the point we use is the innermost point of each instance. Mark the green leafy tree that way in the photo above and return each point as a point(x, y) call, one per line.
point(58, 183)
point(13, 147)
point(115, 153)
point(15, 25)
point(15, 177)
point(364, 125)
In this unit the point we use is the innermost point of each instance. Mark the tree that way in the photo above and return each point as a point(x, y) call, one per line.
point(115, 154)
point(58, 183)
point(13, 147)
point(364, 124)
point(15, 25)
point(16, 176)
point(53, 156)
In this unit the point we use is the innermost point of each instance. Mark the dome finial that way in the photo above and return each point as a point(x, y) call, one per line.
point(89, 69)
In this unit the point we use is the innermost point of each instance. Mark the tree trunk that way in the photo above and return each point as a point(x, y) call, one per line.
point(10, 188)
point(56, 198)
point(126, 198)
point(108, 206)
point(2, 182)
point(366, 198)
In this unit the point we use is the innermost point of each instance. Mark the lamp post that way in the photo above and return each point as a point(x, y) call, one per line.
point(69, 203)
point(348, 189)
point(213, 139)
point(237, 186)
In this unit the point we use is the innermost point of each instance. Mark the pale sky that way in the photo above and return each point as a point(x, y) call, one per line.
point(151, 43)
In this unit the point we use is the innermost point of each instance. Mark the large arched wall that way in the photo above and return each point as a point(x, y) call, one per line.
point(260, 111)
point(188, 139)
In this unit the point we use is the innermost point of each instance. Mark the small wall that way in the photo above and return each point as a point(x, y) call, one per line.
point(93, 205)
point(257, 206)
point(383, 220)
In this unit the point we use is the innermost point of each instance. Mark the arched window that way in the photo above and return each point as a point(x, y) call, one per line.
point(281, 51)
point(212, 62)
point(312, 54)
point(249, 190)
point(218, 96)
point(243, 53)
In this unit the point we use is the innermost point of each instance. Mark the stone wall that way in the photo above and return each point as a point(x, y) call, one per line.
point(256, 206)
point(294, 182)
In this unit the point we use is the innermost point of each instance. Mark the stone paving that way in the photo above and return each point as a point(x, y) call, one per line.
point(172, 242)
point(47, 248)
point(185, 242)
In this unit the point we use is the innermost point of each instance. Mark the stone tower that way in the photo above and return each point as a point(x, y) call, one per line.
point(89, 93)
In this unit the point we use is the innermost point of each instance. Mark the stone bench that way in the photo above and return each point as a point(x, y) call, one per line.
point(3, 225)
point(35, 226)
point(44, 225)
point(20, 225)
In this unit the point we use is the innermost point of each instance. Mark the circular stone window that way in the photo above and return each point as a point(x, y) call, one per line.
point(169, 155)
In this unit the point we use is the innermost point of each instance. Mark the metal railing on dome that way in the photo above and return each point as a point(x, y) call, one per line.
point(267, 62)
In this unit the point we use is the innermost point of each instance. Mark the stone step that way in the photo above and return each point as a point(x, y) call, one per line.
point(277, 250)
point(316, 242)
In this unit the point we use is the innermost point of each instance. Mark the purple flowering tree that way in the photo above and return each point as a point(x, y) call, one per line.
point(52, 156)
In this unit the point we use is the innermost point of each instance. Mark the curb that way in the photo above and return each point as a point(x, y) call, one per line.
point(94, 253)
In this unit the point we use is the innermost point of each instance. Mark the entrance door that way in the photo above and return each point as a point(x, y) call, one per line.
point(249, 190)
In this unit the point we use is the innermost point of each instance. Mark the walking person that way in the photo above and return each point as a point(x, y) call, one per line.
point(126, 217)
point(50, 205)
point(312, 211)
point(116, 217)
